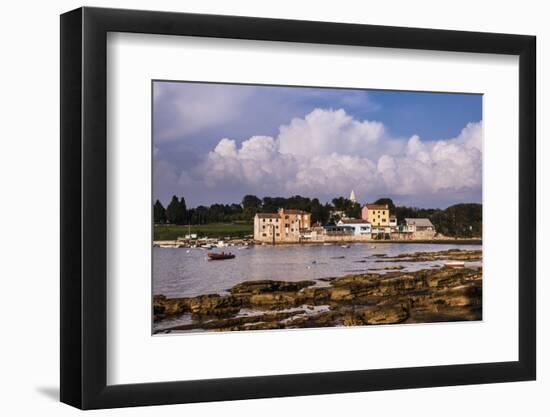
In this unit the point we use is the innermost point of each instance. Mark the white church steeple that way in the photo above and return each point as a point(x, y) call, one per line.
point(352, 197)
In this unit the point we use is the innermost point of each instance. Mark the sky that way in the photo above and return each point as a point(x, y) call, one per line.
point(215, 143)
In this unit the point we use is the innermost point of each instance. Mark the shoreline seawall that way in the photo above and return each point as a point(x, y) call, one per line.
point(183, 244)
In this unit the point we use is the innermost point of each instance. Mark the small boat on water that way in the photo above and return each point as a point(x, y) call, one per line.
point(454, 264)
point(220, 256)
point(345, 246)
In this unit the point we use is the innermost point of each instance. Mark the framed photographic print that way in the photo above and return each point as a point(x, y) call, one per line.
point(257, 208)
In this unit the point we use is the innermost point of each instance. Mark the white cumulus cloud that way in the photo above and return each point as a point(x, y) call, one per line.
point(323, 132)
point(328, 152)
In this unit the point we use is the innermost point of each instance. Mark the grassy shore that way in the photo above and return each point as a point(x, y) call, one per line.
point(212, 230)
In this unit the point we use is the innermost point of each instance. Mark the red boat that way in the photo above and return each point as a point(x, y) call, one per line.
point(219, 256)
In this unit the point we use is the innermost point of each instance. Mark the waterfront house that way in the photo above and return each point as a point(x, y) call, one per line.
point(338, 231)
point(360, 227)
point(419, 228)
point(286, 225)
point(376, 214)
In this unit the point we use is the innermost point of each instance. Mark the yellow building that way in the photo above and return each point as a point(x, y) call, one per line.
point(287, 225)
point(376, 214)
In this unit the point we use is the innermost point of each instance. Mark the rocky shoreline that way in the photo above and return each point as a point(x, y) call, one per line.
point(424, 296)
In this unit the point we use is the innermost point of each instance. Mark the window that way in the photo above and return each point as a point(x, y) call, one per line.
point(286, 217)
point(276, 227)
point(383, 220)
point(287, 225)
point(278, 234)
point(264, 235)
point(263, 220)
point(270, 220)
point(263, 227)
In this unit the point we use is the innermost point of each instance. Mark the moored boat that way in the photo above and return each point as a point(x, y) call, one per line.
point(454, 264)
point(220, 256)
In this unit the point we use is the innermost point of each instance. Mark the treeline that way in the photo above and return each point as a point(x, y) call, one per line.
point(461, 220)
point(177, 213)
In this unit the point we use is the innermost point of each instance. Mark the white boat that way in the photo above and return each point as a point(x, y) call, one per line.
point(454, 264)
point(345, 246)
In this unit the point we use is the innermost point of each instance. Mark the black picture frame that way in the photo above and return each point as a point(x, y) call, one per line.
point(84, 207)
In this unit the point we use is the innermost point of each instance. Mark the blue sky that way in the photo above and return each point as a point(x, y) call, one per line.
point(431, 116)
point(217, 142)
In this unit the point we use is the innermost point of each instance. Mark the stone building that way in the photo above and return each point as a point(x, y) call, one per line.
point(285, 226)
point(420, 228)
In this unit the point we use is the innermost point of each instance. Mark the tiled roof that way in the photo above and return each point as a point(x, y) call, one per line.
point(268, 215)
point(377, 206)
point(354, 221)
point(422, 222)
point(294, 211)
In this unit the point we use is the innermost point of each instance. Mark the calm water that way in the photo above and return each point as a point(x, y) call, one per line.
point(187, 272)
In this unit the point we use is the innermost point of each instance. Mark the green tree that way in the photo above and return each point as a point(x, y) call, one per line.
point(183, 211)
point(159, 213)
point(340, 203)
point(176, 211)
point(352, 210)
point(251, 201)
point(387, 201)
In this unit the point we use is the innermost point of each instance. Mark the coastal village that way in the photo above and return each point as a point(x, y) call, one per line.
point(376, 223)
point(292, 224)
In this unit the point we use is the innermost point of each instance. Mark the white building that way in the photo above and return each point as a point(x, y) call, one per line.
point(360, 227)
